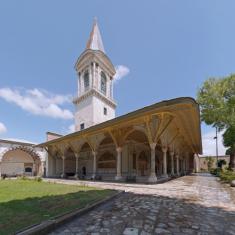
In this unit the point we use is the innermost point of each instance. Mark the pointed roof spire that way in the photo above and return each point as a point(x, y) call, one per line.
point(95, 41)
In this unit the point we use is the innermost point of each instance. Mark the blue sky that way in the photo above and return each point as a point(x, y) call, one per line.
point(169, 47)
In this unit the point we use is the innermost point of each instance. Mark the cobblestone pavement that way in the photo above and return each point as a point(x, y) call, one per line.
point(196, 204)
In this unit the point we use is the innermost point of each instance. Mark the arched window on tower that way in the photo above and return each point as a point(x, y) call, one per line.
point(86, 80)
point(103, 84)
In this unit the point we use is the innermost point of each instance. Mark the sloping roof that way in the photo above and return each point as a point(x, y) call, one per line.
point(196, 131)
point(95, 41)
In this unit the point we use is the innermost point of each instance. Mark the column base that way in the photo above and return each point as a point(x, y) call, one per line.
point(119, 178)
point(165, 176)
point(76, 176)
point(152, 178)
point(63, 176)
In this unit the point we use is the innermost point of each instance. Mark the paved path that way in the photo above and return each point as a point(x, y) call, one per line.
point(196, 204)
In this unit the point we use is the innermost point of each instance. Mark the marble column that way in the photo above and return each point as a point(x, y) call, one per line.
point(196, 163)
point(177, 165)
point(119, 164)
point(164, 150)
point(34, 169)
point(152, 177)
point(43, 166)
point(63, 175)
point(172, 163)
point(76, 171)
point(187, 163)
point(94, 164)
point(184, 164)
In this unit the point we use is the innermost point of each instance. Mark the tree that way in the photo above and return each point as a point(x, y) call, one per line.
point(221, 162)
point(229, 141)
point(210, 162)
point(217, 101)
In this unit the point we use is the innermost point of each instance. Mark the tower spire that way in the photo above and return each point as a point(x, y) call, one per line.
point(95, 41)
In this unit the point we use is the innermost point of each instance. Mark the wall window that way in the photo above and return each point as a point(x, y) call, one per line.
point(105, 111)
point(82, 126)
point(103, 84)
point(28, 169)
point(86, 80)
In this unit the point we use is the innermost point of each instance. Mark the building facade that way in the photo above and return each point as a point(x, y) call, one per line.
point(19, 158)
point(209, 162)
point(155, 142)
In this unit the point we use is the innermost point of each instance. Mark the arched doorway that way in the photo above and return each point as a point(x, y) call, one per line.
point(20, 161)
point(138, 159)
point(85, 162)
point(83, 171)
point(106, 164)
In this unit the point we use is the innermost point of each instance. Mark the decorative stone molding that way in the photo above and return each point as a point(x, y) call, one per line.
point(94, 92)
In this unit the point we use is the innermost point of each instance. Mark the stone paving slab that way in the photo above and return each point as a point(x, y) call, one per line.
point(196, 204)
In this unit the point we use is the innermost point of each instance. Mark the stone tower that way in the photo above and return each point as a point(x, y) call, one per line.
point(94, 103)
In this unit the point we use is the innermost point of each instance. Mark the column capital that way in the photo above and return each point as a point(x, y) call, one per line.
point(164, 149)
point(153, 145)
point(76, 155)
point(63, 157)
point(172, 153)
point(94, 153)
point(119, 149)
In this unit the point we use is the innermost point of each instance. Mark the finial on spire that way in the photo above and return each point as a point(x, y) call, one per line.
point(95, 41)
point(95, 20)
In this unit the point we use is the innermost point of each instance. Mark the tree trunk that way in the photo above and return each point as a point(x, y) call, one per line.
point(232, 162)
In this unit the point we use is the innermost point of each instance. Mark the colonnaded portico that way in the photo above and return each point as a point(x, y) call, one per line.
point(154, 142)
point(157, 141)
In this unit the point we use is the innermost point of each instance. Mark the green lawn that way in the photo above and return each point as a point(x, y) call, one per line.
point(27, 202)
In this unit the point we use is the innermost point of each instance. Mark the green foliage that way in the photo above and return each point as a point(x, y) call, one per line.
point(23, 177)
point(227, 176)
point(217, 100)
point(38, 179)
point(210, 162)
point(27, 202)
point(221, 162)
point(215, 171)
point(229, 138)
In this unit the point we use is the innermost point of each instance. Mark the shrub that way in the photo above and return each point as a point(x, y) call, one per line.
point(38, 179)
point(23, 177)
point(227, 176)
point(3, 176)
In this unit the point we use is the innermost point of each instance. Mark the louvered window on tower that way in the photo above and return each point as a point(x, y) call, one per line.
point(86, 80)
point(103, 83)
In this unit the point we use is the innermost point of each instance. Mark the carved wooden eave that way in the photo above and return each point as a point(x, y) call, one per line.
point(179, 116)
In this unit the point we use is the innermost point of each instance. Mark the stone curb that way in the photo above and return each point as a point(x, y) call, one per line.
point(49, 225)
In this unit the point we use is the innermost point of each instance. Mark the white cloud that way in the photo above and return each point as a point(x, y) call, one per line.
point(3, 128)
point(121, 71)
point(38, 102)
point(209, 146)
point(71, 128)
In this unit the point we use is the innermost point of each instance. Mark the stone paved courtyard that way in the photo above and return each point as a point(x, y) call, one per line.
point(195, 204)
